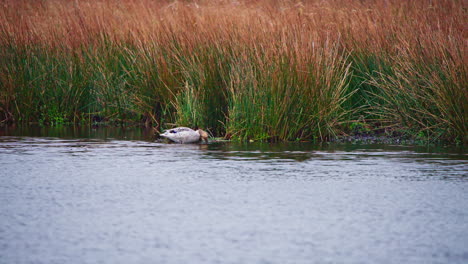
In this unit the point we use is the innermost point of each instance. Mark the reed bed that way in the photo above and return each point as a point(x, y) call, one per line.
point(247, 70)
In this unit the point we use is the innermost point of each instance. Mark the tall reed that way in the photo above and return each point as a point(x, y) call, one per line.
point(246, 69)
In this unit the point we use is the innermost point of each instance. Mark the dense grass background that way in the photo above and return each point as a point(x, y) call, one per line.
point(262, 70)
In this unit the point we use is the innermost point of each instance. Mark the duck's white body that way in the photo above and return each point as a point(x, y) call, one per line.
point(185, 135)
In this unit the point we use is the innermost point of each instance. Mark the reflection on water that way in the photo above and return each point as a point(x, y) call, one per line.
point(95, 195)
point(91, 132)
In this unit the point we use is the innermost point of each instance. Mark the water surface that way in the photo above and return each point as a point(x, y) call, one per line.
point(117, 196)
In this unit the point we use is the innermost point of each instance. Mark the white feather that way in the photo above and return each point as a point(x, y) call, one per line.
point(183, 135)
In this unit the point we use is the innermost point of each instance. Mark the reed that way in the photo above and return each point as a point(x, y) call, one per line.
point(250, 70)
point(428, 96)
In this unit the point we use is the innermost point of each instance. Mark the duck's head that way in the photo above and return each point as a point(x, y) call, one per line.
point(203, 135)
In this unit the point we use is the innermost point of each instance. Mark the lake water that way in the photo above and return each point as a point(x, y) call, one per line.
point(117, 196)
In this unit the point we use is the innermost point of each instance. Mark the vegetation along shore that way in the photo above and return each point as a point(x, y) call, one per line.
point(245, 70)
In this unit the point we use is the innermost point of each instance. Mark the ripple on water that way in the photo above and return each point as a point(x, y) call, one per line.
point(131, 201)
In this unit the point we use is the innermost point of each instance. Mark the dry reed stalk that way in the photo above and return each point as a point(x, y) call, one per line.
point(152, 49)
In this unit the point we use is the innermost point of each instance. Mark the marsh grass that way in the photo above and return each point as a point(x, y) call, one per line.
point(250, 70)
point(427, 98)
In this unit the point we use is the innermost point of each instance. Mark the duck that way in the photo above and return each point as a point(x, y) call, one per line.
point(185, 135)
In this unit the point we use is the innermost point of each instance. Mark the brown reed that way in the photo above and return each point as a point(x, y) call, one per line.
point(254, 69)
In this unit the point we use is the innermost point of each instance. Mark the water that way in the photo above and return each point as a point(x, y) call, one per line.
point(116, 196)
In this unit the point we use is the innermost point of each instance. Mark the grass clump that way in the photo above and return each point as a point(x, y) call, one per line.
point(300, 98)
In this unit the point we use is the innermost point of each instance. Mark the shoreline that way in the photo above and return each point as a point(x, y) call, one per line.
point(357, 137)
